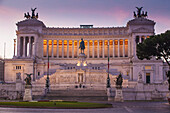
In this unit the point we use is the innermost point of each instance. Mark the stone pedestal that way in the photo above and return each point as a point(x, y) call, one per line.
point(19, 85)
point(119, 95)
point(110, 98)
point(28, 93)
point(140, 92)
point(82, 60)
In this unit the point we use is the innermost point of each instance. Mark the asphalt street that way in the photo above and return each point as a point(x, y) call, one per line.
point(125, 107)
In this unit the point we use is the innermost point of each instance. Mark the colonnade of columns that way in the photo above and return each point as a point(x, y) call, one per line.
point(93, 48)
point(140, 39)
point(25, 46)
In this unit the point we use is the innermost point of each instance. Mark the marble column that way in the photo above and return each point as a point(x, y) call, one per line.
point(87, 48)
point(14, 47)
point(123, 47)
point(62, 48)
point(93, 49)
point(72, 48)
point(67, 48)
point(118, 48)
point(140, 40)
point(34, 46)
point(77, 48)
point(103, 48)
point(57, 48)
point(18, 46)
point(30, 47)
point(24, 40)
point(113, 48)
point(134, 46)
point(97, 48)
point(129, 48)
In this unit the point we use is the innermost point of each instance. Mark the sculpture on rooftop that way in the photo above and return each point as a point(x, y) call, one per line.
point(27, 15)
point(33, 12)
point(82, 46)
point(139, 13)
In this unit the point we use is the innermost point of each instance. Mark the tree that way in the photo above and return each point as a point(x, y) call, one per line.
point(157, 46)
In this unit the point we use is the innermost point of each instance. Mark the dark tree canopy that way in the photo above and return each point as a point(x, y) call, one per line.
point(157, 45)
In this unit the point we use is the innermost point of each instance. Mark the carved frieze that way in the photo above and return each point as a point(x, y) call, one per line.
point(27, 31)
point(143, 30)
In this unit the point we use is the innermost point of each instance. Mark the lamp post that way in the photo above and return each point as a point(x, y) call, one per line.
point(108, 78)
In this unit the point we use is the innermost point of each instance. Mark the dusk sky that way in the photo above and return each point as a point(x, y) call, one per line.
point(72, 13)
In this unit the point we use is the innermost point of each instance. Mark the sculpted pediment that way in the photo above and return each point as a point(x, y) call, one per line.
point(142, 30)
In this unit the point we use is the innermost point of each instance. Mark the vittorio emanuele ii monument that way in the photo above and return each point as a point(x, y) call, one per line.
point(83, 72)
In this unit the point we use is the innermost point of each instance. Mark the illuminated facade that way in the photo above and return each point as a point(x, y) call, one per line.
point(35, 42)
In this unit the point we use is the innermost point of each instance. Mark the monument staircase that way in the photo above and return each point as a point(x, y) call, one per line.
point(77, 95)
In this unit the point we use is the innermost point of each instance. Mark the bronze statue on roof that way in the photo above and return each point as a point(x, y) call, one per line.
point(140, 13)
point(27, 15)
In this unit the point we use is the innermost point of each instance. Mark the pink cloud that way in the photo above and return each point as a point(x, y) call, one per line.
point(7, 11)
point(120, 15)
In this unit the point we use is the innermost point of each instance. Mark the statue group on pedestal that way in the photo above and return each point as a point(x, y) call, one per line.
point(119, 81)
point(27, 15)
point(139, 14)
point(28, 79)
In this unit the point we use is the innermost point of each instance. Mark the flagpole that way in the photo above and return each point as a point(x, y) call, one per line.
point(47, 80)
point(108, 78)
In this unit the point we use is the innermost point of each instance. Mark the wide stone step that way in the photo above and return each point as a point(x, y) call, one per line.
point(77, 93)
point(78, 98)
